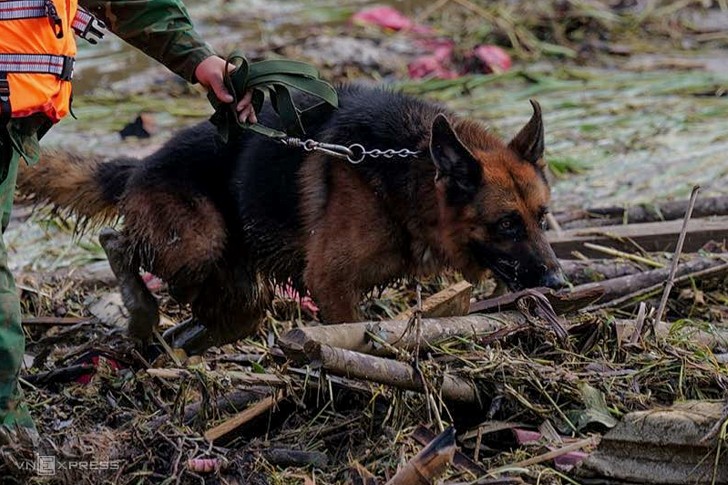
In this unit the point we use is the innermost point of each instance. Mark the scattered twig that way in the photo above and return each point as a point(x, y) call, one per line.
point(639, 323)
point(622, 254)
point(172, 353)
point(249, 378)
point(230, 425)
point(54, 320)
point(676, 256)
point(548, 456)
point(228, 403)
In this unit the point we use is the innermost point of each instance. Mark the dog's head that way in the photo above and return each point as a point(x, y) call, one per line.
point(493, 198)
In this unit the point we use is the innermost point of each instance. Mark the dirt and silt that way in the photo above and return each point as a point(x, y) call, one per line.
point(634, 104)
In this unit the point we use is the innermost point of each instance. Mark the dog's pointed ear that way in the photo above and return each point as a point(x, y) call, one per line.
point(457, 168)
point(529, 143)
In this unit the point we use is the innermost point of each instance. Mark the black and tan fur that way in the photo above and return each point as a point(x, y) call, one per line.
point(222, 223)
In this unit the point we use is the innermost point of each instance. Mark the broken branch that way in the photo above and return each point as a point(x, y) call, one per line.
point(385, 371)
point(393, 333)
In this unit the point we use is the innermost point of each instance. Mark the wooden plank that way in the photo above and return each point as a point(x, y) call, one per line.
point(453, 301)
point(651, 236)
point(230, 425)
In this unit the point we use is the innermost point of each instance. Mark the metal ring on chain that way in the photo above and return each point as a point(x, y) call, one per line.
point(354, 158)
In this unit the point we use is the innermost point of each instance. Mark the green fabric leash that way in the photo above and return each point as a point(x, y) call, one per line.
point(278, 76)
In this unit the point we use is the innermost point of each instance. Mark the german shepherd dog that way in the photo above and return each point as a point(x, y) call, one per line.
point(223, 223)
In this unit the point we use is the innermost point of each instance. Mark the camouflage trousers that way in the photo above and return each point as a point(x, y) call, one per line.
point(12, 340)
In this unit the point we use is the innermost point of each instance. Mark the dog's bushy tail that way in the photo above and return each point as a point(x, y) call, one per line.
point(86, 186)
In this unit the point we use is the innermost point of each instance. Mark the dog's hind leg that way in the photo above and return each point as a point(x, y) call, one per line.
point(138, 300)
point(229, 305)
point(179, 237)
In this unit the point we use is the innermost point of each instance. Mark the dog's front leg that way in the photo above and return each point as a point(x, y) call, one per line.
point(334, 293)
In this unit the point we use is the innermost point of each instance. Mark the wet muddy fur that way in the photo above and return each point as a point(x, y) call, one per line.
point(223, 223)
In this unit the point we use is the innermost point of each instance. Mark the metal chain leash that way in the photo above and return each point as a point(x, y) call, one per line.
point(354, 153)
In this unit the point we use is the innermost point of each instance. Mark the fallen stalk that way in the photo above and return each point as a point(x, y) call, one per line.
point(249, 378)
point(627, 287)
point(685, 276)
point(385, 371)
point(393, 333)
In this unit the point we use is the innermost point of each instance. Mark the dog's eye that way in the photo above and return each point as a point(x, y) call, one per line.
point(505, 225)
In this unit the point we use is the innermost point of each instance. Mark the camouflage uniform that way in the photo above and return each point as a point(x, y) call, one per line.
point(160, 28)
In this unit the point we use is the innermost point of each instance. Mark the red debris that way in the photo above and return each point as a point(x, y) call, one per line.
point(438, 64)
point(203, 465)
point(288, 292)
point(441, 62)
point(494, 59)
point(387, 18)
point(564, 462)
point(96, 360)
point(153, 283)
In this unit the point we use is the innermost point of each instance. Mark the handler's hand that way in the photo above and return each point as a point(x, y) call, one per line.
point(210, 74)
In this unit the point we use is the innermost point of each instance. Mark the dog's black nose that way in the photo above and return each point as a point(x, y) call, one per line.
point(553, 278)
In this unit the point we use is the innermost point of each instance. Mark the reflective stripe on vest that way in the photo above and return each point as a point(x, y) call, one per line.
point(60, 66)
point(36, 56)
point(22, 9)
point(85, 25)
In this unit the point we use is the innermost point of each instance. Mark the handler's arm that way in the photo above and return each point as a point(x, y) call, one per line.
point(162, 29)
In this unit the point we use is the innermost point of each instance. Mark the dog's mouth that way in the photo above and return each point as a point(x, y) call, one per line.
point(504, 268)
point(507, 272)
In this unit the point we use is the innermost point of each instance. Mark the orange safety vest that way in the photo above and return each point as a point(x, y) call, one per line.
point(37, 49)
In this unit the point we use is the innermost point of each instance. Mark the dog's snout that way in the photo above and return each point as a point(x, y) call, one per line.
point(553, 278)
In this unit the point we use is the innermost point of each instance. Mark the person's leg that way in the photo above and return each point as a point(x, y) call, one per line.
point(13, 411)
